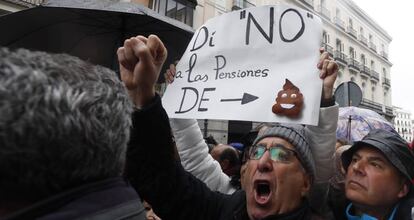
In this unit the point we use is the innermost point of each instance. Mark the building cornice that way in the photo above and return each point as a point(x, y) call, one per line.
point(355, 9)
point(329, 22)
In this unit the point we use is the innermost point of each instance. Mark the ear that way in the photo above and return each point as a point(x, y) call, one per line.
point(225, 164)
point(404, 190)
point(306, 185)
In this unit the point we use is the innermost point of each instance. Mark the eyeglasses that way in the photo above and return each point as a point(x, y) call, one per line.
point(278, 153)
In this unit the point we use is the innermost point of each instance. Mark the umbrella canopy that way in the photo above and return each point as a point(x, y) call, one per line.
point(90, 29)
point(354, 123)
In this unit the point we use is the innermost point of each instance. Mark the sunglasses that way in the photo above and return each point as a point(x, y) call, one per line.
point(278, 153)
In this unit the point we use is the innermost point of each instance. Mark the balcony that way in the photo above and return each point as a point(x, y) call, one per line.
point(386, 82)
point(340, 57)
point(340, 23)
point(366, 103)
point(353, 65)
point(373, 46)
point(384, 54)
point(351, 31)
point(328, 49)
point(389, 111)
point(239, 4)
point(324, 12)
point(365, 70)
point(363, 39)
point(308, 2)
point(26, 3)
point(374, 75)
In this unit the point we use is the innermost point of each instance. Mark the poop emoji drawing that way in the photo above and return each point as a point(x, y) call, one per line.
point(289, 101)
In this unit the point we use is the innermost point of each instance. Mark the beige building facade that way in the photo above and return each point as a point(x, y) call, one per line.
point(403, 123)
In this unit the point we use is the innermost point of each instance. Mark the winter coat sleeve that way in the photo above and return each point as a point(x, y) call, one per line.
point(158, 177)
point(195, 158)
point(322, 139)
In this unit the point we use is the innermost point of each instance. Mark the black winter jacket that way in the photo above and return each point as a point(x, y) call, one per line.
point(111, 199)
point(174, 193)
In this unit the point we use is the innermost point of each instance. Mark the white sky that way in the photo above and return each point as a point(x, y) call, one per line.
point(397, 18)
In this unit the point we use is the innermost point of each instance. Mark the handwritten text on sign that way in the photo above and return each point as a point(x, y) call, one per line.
point(236, 65)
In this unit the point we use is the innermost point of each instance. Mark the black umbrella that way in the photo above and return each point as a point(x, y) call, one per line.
point(90, 29)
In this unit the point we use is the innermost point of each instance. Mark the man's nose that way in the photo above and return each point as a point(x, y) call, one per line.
point(265, 162)
point(359, 167)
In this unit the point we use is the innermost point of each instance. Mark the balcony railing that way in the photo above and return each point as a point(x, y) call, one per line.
point(363, 39)
point(26, 3)
point(374, 75)
point(340, 57)
point(372, 105)
point(373, 46)
point(328, 49)
point(324, 12)
point(389, 111)
point(384, 54)
point(308, 2)
point(352, 31)
point(239, 4)
point(340, 23)
point(365, 70)
point(386, 81)
point(353, 64)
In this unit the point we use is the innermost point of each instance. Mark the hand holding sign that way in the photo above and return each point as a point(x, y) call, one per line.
point(328, 73)
point(140, 62)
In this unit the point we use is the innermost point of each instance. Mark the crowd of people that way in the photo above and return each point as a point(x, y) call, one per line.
point(78, 143)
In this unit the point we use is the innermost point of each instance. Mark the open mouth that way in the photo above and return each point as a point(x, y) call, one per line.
point(262, 192)
point(287, 106)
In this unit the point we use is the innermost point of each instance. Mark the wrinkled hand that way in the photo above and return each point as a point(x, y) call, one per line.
point(328, 72)
point(140, 62)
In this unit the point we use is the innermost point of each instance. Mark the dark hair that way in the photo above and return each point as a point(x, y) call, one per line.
point(231, 155)
point(63, 123)
point(211, 142)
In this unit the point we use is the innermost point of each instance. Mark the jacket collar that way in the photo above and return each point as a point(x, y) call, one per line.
point(366, 216)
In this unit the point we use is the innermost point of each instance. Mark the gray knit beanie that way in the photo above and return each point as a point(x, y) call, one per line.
point(294, 134)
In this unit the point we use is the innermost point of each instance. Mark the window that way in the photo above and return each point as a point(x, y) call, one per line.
point(351, 25)
point(372, 65)
point(351, 52)
point(325, 37)
point(339, 45)
point(373, 94)
point(363, 85)
point(370, 38)
point(363, 60)
point(180, 10)
point(361, 30)
point(338, 13)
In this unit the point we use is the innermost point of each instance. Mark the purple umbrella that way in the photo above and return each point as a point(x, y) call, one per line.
point(354, 123)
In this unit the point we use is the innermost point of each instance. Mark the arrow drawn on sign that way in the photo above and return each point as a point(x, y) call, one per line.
point(244, 100)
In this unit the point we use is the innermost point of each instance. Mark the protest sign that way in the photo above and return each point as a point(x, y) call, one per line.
point(255, 64)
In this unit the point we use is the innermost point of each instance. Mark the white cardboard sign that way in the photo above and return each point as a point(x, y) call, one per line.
point(236, 66)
